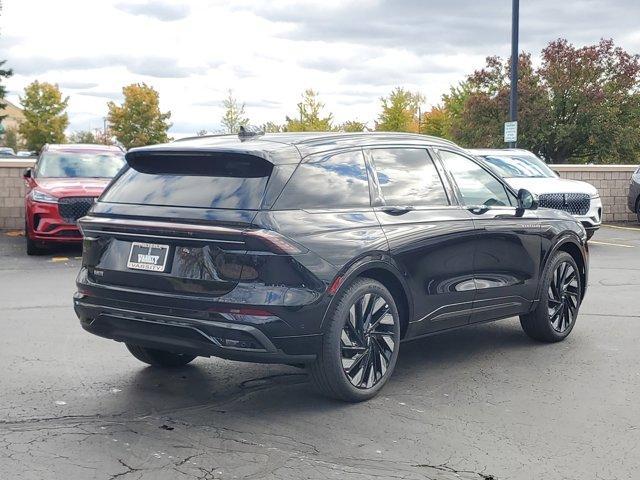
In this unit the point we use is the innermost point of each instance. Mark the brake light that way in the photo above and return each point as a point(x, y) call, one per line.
point(278, 243)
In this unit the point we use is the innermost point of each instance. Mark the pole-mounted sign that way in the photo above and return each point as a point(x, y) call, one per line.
point(510, 132)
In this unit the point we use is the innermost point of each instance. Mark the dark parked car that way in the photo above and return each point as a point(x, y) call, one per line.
point(634, 194)
point(324, 250)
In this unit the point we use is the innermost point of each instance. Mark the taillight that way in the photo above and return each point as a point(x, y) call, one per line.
point(276, 242)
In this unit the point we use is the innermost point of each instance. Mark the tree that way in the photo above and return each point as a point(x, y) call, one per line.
point(83, 136)
point(45, 116)
point(399, 111)
point(233, 117)
point(11, 139)
point(436, 122)
point(310, 117)
point(594, 102)
point(352, 126)
point(581, 104)
point(201, 133)
point(272, 127)
point(4, 73)
point(139, 121)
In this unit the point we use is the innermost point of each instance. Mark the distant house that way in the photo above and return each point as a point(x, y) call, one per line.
point(14, 115)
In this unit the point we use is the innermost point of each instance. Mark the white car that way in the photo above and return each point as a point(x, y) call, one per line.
point(523, 169)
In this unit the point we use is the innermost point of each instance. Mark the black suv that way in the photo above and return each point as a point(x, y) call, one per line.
point(323, 250)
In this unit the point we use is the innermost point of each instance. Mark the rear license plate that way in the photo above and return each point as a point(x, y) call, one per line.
point(148, 256)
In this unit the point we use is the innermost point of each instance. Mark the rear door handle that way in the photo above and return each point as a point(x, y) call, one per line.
point(400, 210)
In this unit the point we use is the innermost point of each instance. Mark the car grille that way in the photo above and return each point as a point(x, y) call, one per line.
point(73, 208)
point(573, 203)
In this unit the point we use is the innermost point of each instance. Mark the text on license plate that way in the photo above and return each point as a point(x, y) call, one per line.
point(148, 256)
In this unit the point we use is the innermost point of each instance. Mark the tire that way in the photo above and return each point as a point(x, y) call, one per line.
point(159, 358)
point(559, 303)
point(360, 343)
point(33, 248)
point(638, 209)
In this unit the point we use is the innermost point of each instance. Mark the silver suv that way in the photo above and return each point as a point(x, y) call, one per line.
point(523, 169)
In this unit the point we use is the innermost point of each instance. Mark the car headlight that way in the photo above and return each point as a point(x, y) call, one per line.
point(42, 197)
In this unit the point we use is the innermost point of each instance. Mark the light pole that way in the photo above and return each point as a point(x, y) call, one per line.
point(513, 97)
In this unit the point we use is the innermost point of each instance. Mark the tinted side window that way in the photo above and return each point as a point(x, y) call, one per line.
point(407, 176)
point(335, 181)
point(476, 185)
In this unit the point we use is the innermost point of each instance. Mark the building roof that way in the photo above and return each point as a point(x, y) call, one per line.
point(14, 114)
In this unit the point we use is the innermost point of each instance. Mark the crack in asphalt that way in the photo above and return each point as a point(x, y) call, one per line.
point(39, 307)
point(446, 468)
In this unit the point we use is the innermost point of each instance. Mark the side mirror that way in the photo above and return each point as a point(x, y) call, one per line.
point(27, 173)
point(527, 200)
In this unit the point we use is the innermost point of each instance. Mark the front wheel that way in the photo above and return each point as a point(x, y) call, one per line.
point(557, 309)
point(33, 248)
point(159, 358)
point(360, 343)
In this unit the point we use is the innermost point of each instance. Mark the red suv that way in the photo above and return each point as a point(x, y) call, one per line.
point(62, 187)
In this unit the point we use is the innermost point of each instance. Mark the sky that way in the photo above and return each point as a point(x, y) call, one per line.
point(269, 51)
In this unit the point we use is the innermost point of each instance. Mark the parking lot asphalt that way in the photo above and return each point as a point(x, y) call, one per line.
point(479, 403)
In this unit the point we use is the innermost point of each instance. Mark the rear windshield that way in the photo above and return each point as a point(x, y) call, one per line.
point(79, 164)
point(221, 180)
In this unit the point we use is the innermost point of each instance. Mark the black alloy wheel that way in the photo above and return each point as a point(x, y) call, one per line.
point(368, 341)
point(564, 297)
point(360, 343)
point(556, 312)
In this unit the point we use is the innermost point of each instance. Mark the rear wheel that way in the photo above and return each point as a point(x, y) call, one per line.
point(159, 358)
point(638, 209)
point(557, 310)
point(360, 343)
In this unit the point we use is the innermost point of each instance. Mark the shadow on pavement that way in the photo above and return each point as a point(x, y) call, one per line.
point(276, 390)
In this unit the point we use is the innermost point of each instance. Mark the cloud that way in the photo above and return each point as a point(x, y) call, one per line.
point(452, 26)
point(327, 64)
point(77, 85)
point(152, 66)
point(108, 94)
point(262, 103)
point(160, 10)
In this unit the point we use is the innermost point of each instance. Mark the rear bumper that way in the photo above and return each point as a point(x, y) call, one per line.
point(222, 338)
